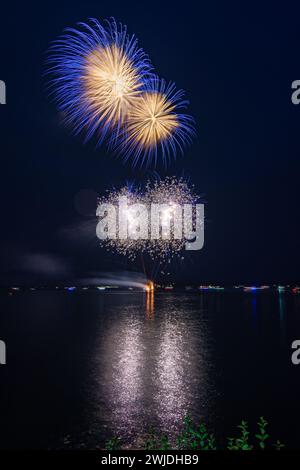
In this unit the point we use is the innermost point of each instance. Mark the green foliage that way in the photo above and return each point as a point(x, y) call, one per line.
point(262, 436)
point(151, 441)
point(164, 443)
point(113, 444)
point(198, 438)
point(241, 442)
point(155, 442)
point(278, 445)
point(195, 438)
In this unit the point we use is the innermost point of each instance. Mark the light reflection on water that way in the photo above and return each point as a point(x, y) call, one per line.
point(104, 364)
point(151, 368)
point(281, 302)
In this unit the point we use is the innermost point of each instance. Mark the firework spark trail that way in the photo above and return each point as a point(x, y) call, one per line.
point(98, 72)
point(170, 191)
point(155, 125)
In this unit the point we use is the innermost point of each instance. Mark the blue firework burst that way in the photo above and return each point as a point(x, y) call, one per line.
point(97, 71)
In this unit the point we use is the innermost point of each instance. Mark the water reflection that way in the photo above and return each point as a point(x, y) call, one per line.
point(151, 373)
point(150, 305)
point(121, 373)
point(281, 301)
point(125, 361)
point(173, 366)
point(254, 309)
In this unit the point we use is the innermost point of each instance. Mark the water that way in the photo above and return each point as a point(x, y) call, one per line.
point(84, 366)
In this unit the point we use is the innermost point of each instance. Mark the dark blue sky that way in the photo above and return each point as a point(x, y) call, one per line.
point(236, 64)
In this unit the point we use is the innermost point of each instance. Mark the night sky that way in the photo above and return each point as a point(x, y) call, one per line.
point(236, 64)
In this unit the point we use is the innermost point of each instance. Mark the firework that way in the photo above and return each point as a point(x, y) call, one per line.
point(103, 84)
point(155, 127)
point(98, 72)
point(164, 242)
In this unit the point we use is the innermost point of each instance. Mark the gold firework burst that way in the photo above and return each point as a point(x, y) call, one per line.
point(111, 84)
point(151, 120)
